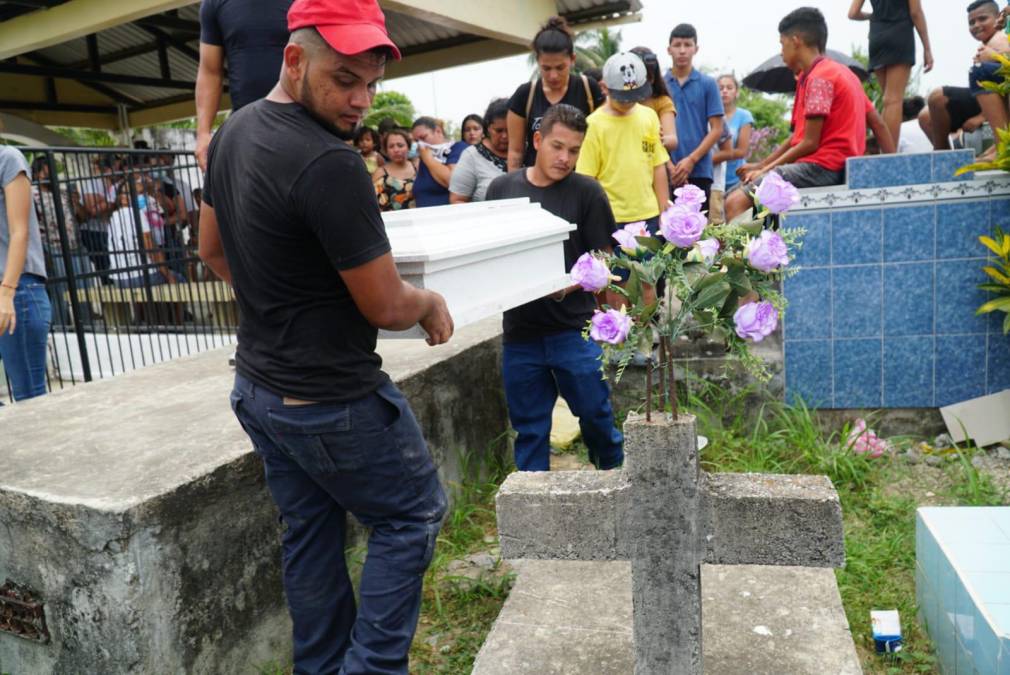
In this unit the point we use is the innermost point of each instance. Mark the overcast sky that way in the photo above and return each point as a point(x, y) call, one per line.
point(736, 39)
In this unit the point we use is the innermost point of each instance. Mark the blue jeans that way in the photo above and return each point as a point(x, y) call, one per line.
point(535, 372)
point(983, 72)
point(61, 307)
point(321, 461)
point(24, 352)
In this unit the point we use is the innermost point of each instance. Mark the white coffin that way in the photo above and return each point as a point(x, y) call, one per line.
point(484, 258)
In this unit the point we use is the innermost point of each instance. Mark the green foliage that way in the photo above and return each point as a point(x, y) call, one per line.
point(391, 104)
point(769, 111)
point(749, 431)
point(999, 274)
point(594, 47)
point(1001, 162)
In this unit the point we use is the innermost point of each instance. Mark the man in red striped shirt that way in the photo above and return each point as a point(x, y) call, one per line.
point(830, 115)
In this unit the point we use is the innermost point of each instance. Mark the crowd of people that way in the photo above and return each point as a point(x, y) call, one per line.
point(293, 222)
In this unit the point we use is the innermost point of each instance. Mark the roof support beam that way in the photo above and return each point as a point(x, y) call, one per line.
point(89, 76)
point(94, 59)
point(74, 19)
point(515, 22)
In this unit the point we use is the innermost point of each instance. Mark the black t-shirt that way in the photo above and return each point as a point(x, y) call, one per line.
point(253, 34)
point(579, 200)
point(575, 96)
point(294, 205)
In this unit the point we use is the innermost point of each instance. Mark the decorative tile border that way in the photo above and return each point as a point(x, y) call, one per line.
point(984, 185)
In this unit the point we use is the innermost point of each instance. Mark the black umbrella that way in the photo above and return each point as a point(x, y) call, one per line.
point(773, 77)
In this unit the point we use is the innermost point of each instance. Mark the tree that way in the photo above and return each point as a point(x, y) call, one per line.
point(391, 104)
point(771, 120)
point(594, 47)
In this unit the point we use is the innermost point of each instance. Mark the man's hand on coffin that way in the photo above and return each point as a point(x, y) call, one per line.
point(437, 322)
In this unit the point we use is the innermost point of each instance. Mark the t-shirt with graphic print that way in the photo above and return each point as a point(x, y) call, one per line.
point(831, 91)
point(622, 152)
point(575, 96)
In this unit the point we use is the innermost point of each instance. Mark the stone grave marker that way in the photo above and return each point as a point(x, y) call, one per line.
point(667, 517)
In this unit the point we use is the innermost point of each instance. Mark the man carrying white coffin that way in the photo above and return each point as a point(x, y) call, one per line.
point(544, 351)
point(290, 218)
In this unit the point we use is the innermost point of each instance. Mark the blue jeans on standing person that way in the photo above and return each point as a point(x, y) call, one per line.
point(24, 353)
point(535, 371)
point(323, 460)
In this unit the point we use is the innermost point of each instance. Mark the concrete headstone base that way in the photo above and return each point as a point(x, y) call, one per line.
point(575, 617)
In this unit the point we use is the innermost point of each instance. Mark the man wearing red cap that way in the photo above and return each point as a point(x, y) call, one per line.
point(291, 219)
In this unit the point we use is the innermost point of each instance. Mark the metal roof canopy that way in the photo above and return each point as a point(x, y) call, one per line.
point(111, 64)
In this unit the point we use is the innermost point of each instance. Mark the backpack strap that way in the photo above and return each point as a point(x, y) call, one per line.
point(529, 99)
point(589, 93)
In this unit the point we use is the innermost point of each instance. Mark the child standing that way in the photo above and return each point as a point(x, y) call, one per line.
point(623, 149)
point(367, 143)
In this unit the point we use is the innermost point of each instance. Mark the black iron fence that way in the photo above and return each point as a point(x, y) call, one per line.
point(119, 231)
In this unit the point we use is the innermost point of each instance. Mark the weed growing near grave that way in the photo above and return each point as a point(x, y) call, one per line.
point(750, 432)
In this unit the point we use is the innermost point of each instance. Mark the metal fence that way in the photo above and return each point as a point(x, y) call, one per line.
point(119, 231)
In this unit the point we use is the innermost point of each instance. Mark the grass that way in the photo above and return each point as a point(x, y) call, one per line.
point(879, 497)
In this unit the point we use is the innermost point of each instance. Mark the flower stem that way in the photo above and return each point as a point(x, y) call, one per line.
point(648, 391)
point(671, 378)
point(662, 374)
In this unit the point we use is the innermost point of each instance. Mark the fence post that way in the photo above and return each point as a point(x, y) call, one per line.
point(68, 264)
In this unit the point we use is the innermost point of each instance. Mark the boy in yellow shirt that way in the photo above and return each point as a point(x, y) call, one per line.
point(623, 149)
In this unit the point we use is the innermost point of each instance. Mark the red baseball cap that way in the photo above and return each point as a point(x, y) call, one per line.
point(349, 26)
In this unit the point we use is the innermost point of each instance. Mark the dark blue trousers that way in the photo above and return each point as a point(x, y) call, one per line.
point(535, 372)
point(322, 461)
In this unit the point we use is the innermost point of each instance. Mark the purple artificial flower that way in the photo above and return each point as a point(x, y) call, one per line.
point(690, 196)
point(611, 326)
point(708, 249)
point(682, 226)
point(777, 194)
point(626, 236)
point(768, 252)
point(756, 320)
point(590, 273)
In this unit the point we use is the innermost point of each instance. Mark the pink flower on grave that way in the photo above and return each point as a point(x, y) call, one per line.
point(756, 320)
point(768, 252)
point(626, 236)
point(682, 225)
point(777, 194)
point(864, 441)
point(590, 273)
point(611, 326)
point(690, 196)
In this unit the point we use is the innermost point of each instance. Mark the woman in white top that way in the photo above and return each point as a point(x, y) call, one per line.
point(482, 163)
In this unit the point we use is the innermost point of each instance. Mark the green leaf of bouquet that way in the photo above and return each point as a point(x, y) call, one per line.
point(995, 288)
point(713, 295)
point(709, 281)
point(649, 243)
point(997, 275)
point(754, 227)
point(991, 244)
point(634, 286)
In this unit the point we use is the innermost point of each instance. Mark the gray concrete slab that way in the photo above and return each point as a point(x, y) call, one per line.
point(574, 618)
point(136, 510)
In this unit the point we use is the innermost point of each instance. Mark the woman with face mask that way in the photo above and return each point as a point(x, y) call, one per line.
point(554, 47)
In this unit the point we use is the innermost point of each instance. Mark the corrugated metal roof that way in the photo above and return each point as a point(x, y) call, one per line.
point(411, 34)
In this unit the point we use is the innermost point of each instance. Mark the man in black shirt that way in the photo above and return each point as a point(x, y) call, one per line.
point(544, 351)
point(290, 218)
point(250, 36)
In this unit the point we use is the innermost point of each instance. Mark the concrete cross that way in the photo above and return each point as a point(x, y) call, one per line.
point(666, 516)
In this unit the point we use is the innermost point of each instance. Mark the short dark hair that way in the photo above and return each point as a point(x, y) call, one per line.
point(386, 125)
point(367, 131)
point(979, 4)
point(566, 115)
point(554, 37)
point(595, 73)
point(911, 107)
point(684, 31)
point(497, 109)
point(808, 24)
point(426, 121)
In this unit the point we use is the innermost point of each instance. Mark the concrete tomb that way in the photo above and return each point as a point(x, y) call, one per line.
point(580, 535)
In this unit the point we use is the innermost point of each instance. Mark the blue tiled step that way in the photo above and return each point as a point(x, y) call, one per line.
point(896, 170)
